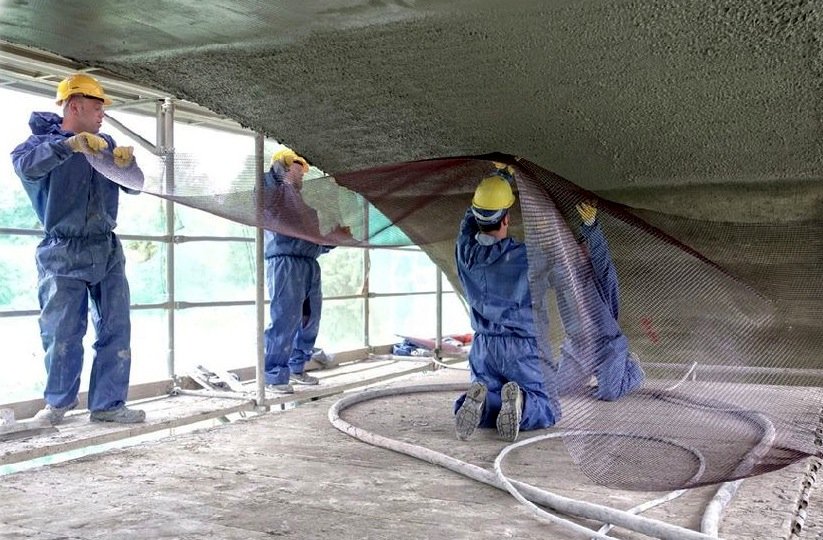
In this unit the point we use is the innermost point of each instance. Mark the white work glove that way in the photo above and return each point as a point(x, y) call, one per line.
point(86, 143)
point(123, 156)
point(588, 212)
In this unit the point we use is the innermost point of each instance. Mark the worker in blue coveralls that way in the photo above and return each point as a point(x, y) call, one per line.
point(605, 355)
point(513, 387)
point(292, 275)
point(80, 257)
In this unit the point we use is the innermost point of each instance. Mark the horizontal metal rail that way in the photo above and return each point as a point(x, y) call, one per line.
point(227, 303)
point(177, 239)
point(230, 303)
point(181, 239)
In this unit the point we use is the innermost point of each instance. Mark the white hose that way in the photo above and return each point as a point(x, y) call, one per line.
point(710, 523)
point(438, 362)
point(551, 518)
point(583, 509)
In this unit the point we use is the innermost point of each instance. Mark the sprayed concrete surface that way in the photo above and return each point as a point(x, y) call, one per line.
point(614, 94)
point(293, 475)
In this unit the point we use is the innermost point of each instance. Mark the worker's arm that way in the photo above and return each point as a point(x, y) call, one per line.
point(38, 156)
point(601, 258)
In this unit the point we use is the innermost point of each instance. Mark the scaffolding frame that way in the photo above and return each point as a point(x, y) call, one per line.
point(38, 72)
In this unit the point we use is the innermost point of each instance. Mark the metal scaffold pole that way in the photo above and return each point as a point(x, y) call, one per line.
point(260, 300)
point(165, 148)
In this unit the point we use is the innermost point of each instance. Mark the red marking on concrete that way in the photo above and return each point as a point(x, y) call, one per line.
point(648, 327)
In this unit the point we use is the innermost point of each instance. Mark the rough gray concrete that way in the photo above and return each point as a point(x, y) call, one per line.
point(616, 94)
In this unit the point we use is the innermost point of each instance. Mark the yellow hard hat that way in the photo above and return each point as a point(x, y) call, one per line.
point(82, 84)
point(289, 156)
point(493, 193)
point(492, 199)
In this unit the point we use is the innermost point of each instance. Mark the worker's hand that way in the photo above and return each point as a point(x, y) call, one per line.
point(506, 171)
point(123, 156)
point(587, 211)
point(87, 143)
point(340, 233)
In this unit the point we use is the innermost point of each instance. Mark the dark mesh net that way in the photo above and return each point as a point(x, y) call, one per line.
point(730, 302)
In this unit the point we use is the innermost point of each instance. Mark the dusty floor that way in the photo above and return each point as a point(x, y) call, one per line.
point(291, 474)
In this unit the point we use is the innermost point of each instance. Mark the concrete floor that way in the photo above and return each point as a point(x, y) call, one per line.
point(291, 474)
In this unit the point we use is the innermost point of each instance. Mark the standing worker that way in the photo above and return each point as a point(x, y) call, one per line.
point(80, 257)
point(292, 275)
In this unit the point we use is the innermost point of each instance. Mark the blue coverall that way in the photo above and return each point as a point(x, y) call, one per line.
point(293, 280)
point(494, 278)
point(79, 258)
point(601, 349)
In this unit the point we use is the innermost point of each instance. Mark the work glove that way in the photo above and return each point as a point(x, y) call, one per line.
point(340, 233)
point(123, 156)
point(87, 143)
point(588, 212)
point(506, 171)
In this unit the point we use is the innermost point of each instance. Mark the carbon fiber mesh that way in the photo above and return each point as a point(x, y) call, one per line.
point(726, 300)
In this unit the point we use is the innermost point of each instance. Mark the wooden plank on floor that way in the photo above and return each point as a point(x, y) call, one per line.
point(167, 412)
point(382, 371)
point(77, 432)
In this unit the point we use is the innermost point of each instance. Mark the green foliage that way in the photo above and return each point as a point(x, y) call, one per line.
point(9, 286)
point(17, 213)
point(341, 326)
point(146, 271)
point(342, 272)
point(342, 321)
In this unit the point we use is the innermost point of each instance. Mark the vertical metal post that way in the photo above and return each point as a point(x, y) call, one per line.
point(439, 337)
point(165, 144)
point(260, 299)
point(366, 270)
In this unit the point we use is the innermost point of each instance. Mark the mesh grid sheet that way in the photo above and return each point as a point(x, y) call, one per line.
point(730, 301)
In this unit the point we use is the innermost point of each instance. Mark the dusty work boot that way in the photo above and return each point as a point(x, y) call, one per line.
point(303, 378)
point(54, 415)
point(280, 388)
point(467, 417)
point(511, 411)
point(120, 415)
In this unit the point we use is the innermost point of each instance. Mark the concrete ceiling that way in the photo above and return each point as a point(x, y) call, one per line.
point(611, 95)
